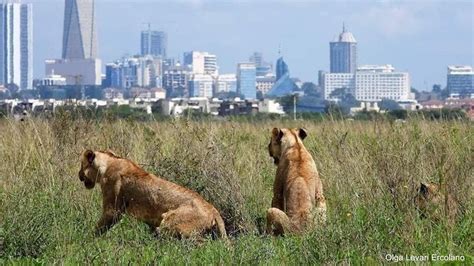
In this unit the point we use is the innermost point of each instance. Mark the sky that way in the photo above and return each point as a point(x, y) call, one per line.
point(421, 37)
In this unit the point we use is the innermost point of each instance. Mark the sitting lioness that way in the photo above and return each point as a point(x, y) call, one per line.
point(163, 205)
point(298, 199)
point(431, 202)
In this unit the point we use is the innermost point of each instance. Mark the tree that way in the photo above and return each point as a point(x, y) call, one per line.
point(287, 102)
point(436, 88)
point(228, 95)
point(311, 89)
point(387, 104)
point(416, 92)
point(346, 99)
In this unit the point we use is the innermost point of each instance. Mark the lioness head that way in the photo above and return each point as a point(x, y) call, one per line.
point(88, 173)
point(284, 138)
point(429, 200)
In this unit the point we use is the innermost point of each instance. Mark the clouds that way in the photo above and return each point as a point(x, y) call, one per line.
point(395, 19)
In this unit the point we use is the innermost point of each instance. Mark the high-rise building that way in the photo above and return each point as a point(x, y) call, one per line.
point(283, 84)
point(154, 43)
point(281, 68)
point(201, 62)
point(226, 83)
point(263, 68)
point(80, 34)
point(16, 44)
point(460, 80)
point(246, 80)
point(200, 85)
point(265, 84)
point(370, 83)
point(175, 81)
point(79, 63)
point(144, 72)
point(343, 53)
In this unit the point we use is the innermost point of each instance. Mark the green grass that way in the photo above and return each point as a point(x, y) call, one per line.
point(370, 172)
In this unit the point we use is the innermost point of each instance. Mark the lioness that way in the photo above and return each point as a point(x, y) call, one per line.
point(163, 205)
point(431, 202)
point(297, 191)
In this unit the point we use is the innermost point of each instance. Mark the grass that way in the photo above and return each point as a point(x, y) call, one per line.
point(370, 172)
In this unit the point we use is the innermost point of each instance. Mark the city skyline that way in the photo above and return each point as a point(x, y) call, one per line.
point(413, 37)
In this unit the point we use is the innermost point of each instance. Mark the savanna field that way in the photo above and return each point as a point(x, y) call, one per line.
point(370, 170)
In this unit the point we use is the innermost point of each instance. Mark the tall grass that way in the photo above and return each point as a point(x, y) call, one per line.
point(370, 172)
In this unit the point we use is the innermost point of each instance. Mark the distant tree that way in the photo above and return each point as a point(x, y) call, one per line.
point(436, 88)
point(74, 92)
point(179, 92)
point(333, 110)
point(28, 94)
point(444, 93)
point(346, 99)
point(387, 104)
point(416, 92)
point(287, 103)
point(94, 92)
point(228, 95)
point(309, 88)
point(398, 114)
point(12, 87)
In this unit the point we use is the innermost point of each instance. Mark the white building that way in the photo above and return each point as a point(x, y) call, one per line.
point(374, 83)
point(370, 83)
point(177, 106)
point(53, 80)
point(76, 71)
point(460, 81)
point(226, 83)
point(201, 63)
point(265, 83)
point(16, 44)
point(333, 81)
point(200, 85)
point(149, 72)
point(270, 106)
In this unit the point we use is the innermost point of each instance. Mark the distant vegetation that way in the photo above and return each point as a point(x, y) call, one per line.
point(370, 171)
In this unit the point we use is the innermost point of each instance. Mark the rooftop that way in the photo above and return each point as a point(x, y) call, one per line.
point(345, 36)
point(460, 70)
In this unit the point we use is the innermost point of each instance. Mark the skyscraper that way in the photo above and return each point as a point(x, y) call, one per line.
point(16, 44)
point(284, 85)
point(246, 80)
point(281, 68)
point(79, 63)
point(80, 34)
point(201, 62)
point(460, 80)
point(154, 43)
point(343, 53)
point(264, 69)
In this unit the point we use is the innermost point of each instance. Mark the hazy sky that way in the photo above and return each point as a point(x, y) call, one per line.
point(421, 37)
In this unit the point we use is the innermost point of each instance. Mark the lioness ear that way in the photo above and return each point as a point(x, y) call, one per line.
point(90, 155)
point(302, 133)
point(277, 133)
point(423, 188)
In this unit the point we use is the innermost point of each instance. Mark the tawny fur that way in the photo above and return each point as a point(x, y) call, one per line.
point(163, 205)
point(298, 201)
point(433, 203)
